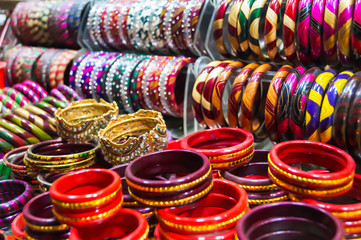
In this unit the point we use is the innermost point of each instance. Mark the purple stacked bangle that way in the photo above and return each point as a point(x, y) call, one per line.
point(39, 90)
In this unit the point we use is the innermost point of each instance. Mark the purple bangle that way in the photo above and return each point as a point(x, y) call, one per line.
point(30, 94)
point(69, 93)
point(39, 90)
point(56, 93)
point(303, 31)
point(317, 13)
point(5, 222)
point(250, 225)
point(74, 68)
point(22, 193)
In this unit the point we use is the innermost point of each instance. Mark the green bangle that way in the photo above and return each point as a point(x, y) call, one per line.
point(5, 146)
point(12, 138)
point(54, 101)
point(41, 113)
point(4, 171)
point(254, 25)
point(46, 107)
point(28, 137)
point(242, 30)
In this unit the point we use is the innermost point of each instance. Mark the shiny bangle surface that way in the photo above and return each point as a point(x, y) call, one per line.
point(329, 35)
point(242, 29)
point(11, 138)
point(356, 30)
point(218, 27)
point(254, 25)
point(303, 31)
point(36, 88)
point(17, 227)
point(345, 14)
point(289, 29)
point(354, 125)
point(233, 25)
point(17, 96)
point(317, 18)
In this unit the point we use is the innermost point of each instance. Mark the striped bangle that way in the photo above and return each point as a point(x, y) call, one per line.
point(69, 93)
point(233, 26)
point(354, 125)
point(56, 93)
point(289, 29)
point(74, 68)
point(11, 138)
point(314, 104)
point(345, 14)
point(5, 146)
point(317, 18)
point(329, 104)
point(30, 94)
point(356, 29)
point(242, 29)
point(8, 102)
point(36, 88)
point(54, 101)
point(329, 36)
point(41, 113)
point(20, 132)
point(303, 31)
point(217, 28)
point(46, 107)
point(17, 96)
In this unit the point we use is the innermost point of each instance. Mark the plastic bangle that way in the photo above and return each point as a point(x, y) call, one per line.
point(8, 102)
point(18, 97)
point(329, 35)
point(289, 29)
point(356, 30)
point(54, 101)
point(258, 10)
point(315, 98)
point(11, 138)
point(10, 160)
point(345, 14)
point(42, 114)
point(26, 136)
point(57, 94)
point(70, 94)
point(353, 125)
point(273, 95)
point(30, 94)
point(36, 88)
point(303, 31)
point(233, 26)
point(242, 29)
point(17, 227)
point(218, 27)
point(317, 18)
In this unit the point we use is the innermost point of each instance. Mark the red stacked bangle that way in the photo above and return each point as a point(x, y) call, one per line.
point(86, 197)
point(224, 147)
point(336, 181)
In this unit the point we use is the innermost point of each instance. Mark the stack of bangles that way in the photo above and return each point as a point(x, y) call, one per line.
point(81, 120)
point(130, 202)
point(253, 177)
point(58, 156)
point(289, 220)
point(40, 222)
point(169, 178)
point(46, 179)
point(14, 195)
point(336, 179)
point(346, 207)
point(224, 147)
point(86, 198)
point(214, 217)
point(132, 135)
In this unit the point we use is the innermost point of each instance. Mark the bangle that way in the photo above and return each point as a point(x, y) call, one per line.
point(42, 114)
point(36, 88)
point(252, 117)
point(353, 125)
point(295, 219)
point(345, 14)
point(243, 28)
point(11, 138)
point(342, 110)
point(174, 191)
point(26, 91)
point(20, 132)
point(54, 101)
point(315, 98)
point(299, 102)
point(17, 96)
point(236, 94)
point(224, 147)
point(17, 227)
point(5, 146)
point(329, 104)
point(303, 31)
point(329, 36)
point(191, 223)
point(8, 102)
point(233, 23)
point(75, 68)
point(217, 27)
point(289, 29)
point(336, 181)
point(126, 224)
point(38, 121)
point(356, 32)
point(317, 18)
point(207, 92)
point(82, 120)
point(57, 94)
point(128, 200)
point(4, 171)
point(46, 107)
point(198, 90)
point(14, 160)
point(46, 179)
point(130, 136)
point(217, 93)
point(272, 101)
point(5, 223)
point(69, 93)
point(21, 193)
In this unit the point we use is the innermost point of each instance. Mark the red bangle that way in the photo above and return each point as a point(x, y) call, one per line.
point(218, 27)
point(224, 147)
point(227, 197)
point(337, 181)
point(17, 227)
point(289, 29)
point(127, 224)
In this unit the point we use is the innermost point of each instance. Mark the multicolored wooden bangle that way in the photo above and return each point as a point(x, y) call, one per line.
point(198, 90)
point(8, 102)
point(289, 29)
point(236, 94)
point(20, 132)
point(17, 96)
point(206, 100)
point(217, 94)
point(328, 106)
point(315, 98)
point(284, 102)
point(272, 101)
point(254, 25)
point(30, 94)
point(41, 113)
point(218, 27)
point(253, 103)
point(54, 101)
point(345, 14)
point(356, 30)
point(11, 138)
point(233, 26)
point(317, 18)
point(329, 36)
point(270, 31)
point(303, 31)
point(39, 90)
point(242, 29)
point(299, 102)
point(46, 107)
point(342, 110)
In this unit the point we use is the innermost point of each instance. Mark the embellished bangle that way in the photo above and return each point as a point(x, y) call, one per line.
point(36, 88)
point(41, 113)
point(17, 96)
point(82, 120)
point(17, 227)
point(242, 29)
point(173, 220)
point(272, 101)
point(296, 219)
point(345, 14)
point(198, 90)
point(233, 25)
point(317, 18)
point(86, 197)
point(21, 193)
point(125, 224)
point(75, 68)
point(303, 31)
point(328, 106)
point(353, 125)
point(18, 131)
point(315, 98)
point(177, 28)
point(57, 94)
point(224, 147)
point(355, 30)
point(341, 113)
point(289, 29)
point(217, 27)
point(329, 36)
point(252, 117)
point(133, 135)
point(299, 102)
point(217, 93)
point(236, 94)
point(301, 183)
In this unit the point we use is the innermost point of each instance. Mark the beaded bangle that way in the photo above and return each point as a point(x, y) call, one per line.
point(289, 28)
point(39, 90)
point(242, 29)
point(345, 14)
point(299, 102)
point(156, 35)
point(163, 94)
point(217, 28)
point(341, 113)
point(317, 18)
point(257, 11)
point(303, 31)
point(18, 97)
point(233, 23)
point(329, 36)
point(74, 69)
point(170, 9)
point(135, 92)
point(356, 30)
point(314, 104)
point(177, 28)
point(272, 101)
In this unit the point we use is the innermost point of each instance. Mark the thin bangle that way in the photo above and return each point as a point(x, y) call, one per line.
point(317, 18)
point(345, 14)
point(329, 36)
point(289, 29)
point(303, 31)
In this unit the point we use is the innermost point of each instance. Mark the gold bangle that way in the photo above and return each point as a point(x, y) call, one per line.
point(46, 228)
point(265, 201)
point(229, 155)
point(237, 162)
